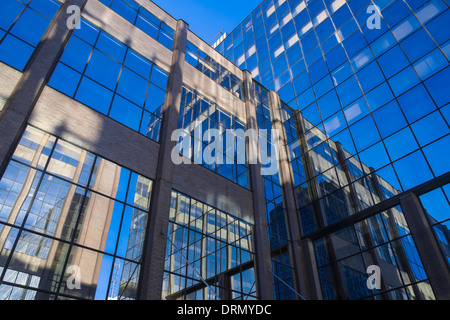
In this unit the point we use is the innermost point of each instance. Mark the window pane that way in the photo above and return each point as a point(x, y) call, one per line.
point(132, 86)
point(65, 79)
point(15, 52)
point(126, 113)
point(9, 11)
point(412, 170)
point(94, 95)
point(400, 144)
point(389, 119)
point(416, 103)
point(437, 155)
point(30, 27)
point(103, 69)
point(76, 54)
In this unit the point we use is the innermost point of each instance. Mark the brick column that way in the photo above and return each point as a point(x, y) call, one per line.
point(264, 278)
point(155, 249)
point(35, 76)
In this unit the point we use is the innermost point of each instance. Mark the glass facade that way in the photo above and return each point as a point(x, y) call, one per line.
point(209, 254)
point(101, 72)
point(365, 112)
point(22, 25)
point(213, 70)
point(143, 19)
point(211, 136)
point(323, 60)
point(365, 115)
point(64, 209)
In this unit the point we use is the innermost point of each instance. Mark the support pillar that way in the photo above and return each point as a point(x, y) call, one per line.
point(155, 247)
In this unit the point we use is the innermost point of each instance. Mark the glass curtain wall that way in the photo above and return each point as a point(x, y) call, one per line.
point(209, 254)
point(72, 224)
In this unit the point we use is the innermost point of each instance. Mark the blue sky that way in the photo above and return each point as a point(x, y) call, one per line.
point(207, 17)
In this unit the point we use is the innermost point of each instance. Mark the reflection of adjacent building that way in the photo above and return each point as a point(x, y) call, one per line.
point(338, 186)
point(208, 254)
point(61, 204)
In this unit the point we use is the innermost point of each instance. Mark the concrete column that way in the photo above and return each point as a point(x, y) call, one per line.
point(429, 251)
point(264, 278)
point(154, 252)
point(35, 76)
point(301, 253)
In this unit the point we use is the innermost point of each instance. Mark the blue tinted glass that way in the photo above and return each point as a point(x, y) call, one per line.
point(323, 86)
point(76, 54)
point(329, 104)
point(348, 91)
point(65, 80)
point(342, 73)
point(159, 77)
point(361, 59)
point(126, 113)
point(416, 103)
point(111, 47)
point(150, 126)
point(87, 32)
point(287, 92)
point(94, 95)
point(397, 11)
point(15, 52)
point(334, 124)
point(103, 69)
point(345, 139)
point(430, 64)
point(375, 156)
point(312, 114)
point(379, 96)
point(155, 98)
point(132, 86)
point(147, 26)
point(305, 99)
point(356, 111)
point(389, 119)
point(438, 27)
point(436, 204)
point(9, 11)
point(430, 128)
point(279, 66)
point(414, 51)
point(318, 70)
point(412, 170)
point(335, 57)
point(438, 87)
point(30, 27)
point(364, 133)
point(301, 82)
point(392, 61)
point(437, 155)
point(2, 33)
point(370, 77)
point(383, 44)
point(403, 81)
point(124, 10)
point(400, 144)
point(354, 43)
point(406, 27)
point(46, 7)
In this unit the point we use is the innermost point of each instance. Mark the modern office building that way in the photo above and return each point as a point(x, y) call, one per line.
point(304, 157)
